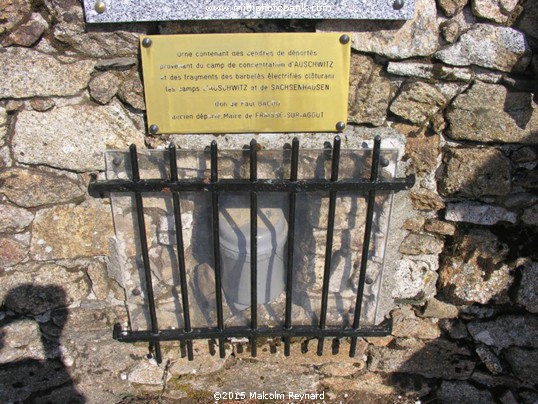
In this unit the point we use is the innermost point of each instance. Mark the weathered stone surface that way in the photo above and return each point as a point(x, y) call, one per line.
point(530, 216)
point(452, 7)
point(131, 91)
point(424, 151)
point(26, 73)
point(70, 231)
point(527, 22)
point(3, 125)
point(70, 29)
point(13, 218)
point(416, 277)
point(21, 339)
point(491, 113)
point(407, 325)
point(455, 328)
point(463, 392)
point(369, 92)
point(343, 369)
point(429, 71)
point(99, 280)
point(489, 46)
point(489, 359)
point(527, 293)
point(33, 188)
point(54, 138)
point(475, 270)
point(148, 372)
point(437, 358)
point(104, 87)
point(478, 213)
point(416, 244)
point(450, 30)
point(11, 251)
point(424, 199)
point(524, 363)
point(417, 37)
point(42, 104)
point(14, 12)
point(475, 172)
point(495, 10)
point(439, 227)
point(36, 288)
point(437, 309)
point(28, 33)
point(507, 331)
point(418, 102)
point(124, 63)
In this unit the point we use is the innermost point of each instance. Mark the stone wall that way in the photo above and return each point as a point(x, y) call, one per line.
point(458, 83)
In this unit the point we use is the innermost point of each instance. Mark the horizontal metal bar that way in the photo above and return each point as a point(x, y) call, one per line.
point(100, 188)
point(241, 332)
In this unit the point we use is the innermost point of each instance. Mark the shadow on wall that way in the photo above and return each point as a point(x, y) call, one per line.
point(484, 348)
point(44, 379)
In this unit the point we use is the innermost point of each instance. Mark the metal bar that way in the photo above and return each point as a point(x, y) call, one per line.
point(100, 188)
point(329, 243)
point(180, 249)
point(145, 254)
point(291, 237)
point(216, 246)
point(366, 242)
point(253, 247)
point(245, 332)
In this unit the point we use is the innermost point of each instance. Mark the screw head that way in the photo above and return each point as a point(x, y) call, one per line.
point(344, 39)
point(100, 7)
point(384, 162)
point(146, 42)
point(116, 160)
point(340, 126)
point(398, 4)
point(153, 129)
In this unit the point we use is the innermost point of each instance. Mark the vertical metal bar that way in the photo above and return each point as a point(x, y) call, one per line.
point(253, 247)
point(180, 248)
point(291, 237)
point(216, 246)
point(366, 242)
point(145, 254)
point(329, 244)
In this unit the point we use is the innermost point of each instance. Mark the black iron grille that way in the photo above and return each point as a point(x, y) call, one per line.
point(255, 186)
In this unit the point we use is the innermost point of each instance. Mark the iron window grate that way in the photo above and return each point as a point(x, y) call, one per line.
point(253, 185)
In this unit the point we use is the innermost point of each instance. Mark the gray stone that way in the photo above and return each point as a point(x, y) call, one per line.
point(478, 213)
point(417, 37)
point(21, 339)
point(148, 372)
point(495, 10)
point(104, 87)
point(416, 277)
point(3, 125)
point(437, 309)
point(13, 218)
point(524, 155)
point(53, 138)
point(161, 10)
point(369, 92)
point(528, 397)
point(489, 46)
point(527, 293)
point(429, 71)
point(28, 33)
point(14, 13)
point(507, 331)
point(451, 7)
point(437, 358)
point(47, 76)
point(527, 22)
point(36, 288)
point(124, 63)
point(475, 172)
point(450, 30)
point(69, 231)
point(417, 244)
point(489, 359)
point(407, 325)
point(530, 216)
point(33, 188)
point(12, 251)
point(491, 113)
point(131, 90)
point(455, 328)
point(463, 392)
point(475, 269)
point(418, 102)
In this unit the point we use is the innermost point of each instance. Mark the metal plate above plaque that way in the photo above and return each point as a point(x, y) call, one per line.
point(242, 83)
point(100, 11)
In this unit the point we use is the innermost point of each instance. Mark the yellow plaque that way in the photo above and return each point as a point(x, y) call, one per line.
point(225, 83)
